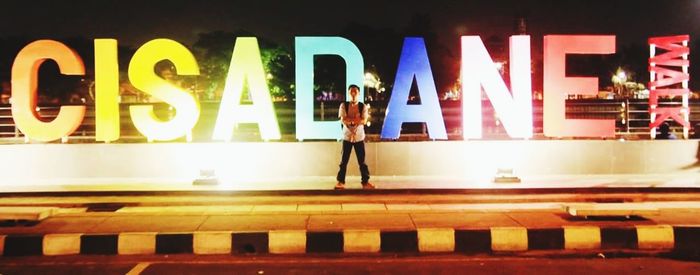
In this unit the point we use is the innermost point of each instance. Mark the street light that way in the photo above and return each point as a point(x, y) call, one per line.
point(622, 76)
point(372, 81)
point(619, 79)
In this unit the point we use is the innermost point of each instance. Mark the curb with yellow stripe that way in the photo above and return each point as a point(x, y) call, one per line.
point(423, 240)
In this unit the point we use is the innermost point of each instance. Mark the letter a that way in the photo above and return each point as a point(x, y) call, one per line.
point(246, 64)
point(414, 63)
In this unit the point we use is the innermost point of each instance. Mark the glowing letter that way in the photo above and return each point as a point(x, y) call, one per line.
point(106, 90)
point(669, 77)
point(143, 77)
point(479, 70)
point(306, 48)
point(25, 72)
point(557, 85)
point(414, 64)
point(246, 64)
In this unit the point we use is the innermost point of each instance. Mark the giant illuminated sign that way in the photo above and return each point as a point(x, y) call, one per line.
point(669, 77)
point(514, 106)
point(25, 72)
point(414, 65)
point(557, 85)
point(246, 64)
point(478, 71)
point(305, 50)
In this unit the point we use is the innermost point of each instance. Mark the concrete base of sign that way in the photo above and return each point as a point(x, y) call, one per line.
point(76, 164)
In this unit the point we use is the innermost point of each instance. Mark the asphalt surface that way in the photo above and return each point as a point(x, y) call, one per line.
point(384, 264)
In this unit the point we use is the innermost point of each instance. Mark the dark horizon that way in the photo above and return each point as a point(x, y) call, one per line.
point(440, 22)
point(135, 22)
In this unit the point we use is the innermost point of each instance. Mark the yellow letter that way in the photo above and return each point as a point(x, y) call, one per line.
point(106, 90)
point(25, 71)
point(143, 77)
point(246, 63)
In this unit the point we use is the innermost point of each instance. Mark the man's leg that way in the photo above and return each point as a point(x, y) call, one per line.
point(345, 157)
point(360, 152)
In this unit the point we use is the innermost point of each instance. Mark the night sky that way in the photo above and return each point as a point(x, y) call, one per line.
point(135, 22)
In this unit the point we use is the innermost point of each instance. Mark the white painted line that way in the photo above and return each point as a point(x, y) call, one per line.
point(287, 241)
point(655, 237)
point(136, 243)
point(61, 244)
point(436, 239)
point(212, 242)
point(509, 239)
point(138, 269)
point(581, 237)
point(360, 240)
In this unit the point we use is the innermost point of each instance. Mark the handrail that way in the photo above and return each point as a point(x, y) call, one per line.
point(632, 118)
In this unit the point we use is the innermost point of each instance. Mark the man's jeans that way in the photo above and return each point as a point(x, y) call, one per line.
point(360, 152)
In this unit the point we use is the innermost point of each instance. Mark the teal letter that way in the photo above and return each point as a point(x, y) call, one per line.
point(305, 49)
point(414, 63)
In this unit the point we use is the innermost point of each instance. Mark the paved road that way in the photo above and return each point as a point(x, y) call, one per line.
point(386, 264)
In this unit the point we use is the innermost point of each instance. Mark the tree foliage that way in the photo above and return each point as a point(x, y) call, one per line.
point(214, 49)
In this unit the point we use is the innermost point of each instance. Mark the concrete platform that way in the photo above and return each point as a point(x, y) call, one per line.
point(611, 210)
point(313, 165)
point(19, 213)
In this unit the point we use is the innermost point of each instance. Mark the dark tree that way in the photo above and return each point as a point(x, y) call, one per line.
point(214, 49)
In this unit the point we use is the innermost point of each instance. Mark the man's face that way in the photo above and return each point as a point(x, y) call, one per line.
point(353, 94)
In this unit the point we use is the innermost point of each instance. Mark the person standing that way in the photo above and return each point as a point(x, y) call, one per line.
point(665, 132)
point(353, 114)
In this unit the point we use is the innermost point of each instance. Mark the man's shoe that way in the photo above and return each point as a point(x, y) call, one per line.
point(339, 186)
point(368, 186)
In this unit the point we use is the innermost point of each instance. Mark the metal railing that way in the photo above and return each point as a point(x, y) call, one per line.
point(631, 119)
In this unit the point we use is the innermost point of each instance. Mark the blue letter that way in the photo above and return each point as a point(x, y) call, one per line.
point(414, 62)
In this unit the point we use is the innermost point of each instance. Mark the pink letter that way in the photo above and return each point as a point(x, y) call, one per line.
point(669, 80)
point(557, 85)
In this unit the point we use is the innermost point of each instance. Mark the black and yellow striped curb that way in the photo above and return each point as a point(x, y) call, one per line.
point(424, 240)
